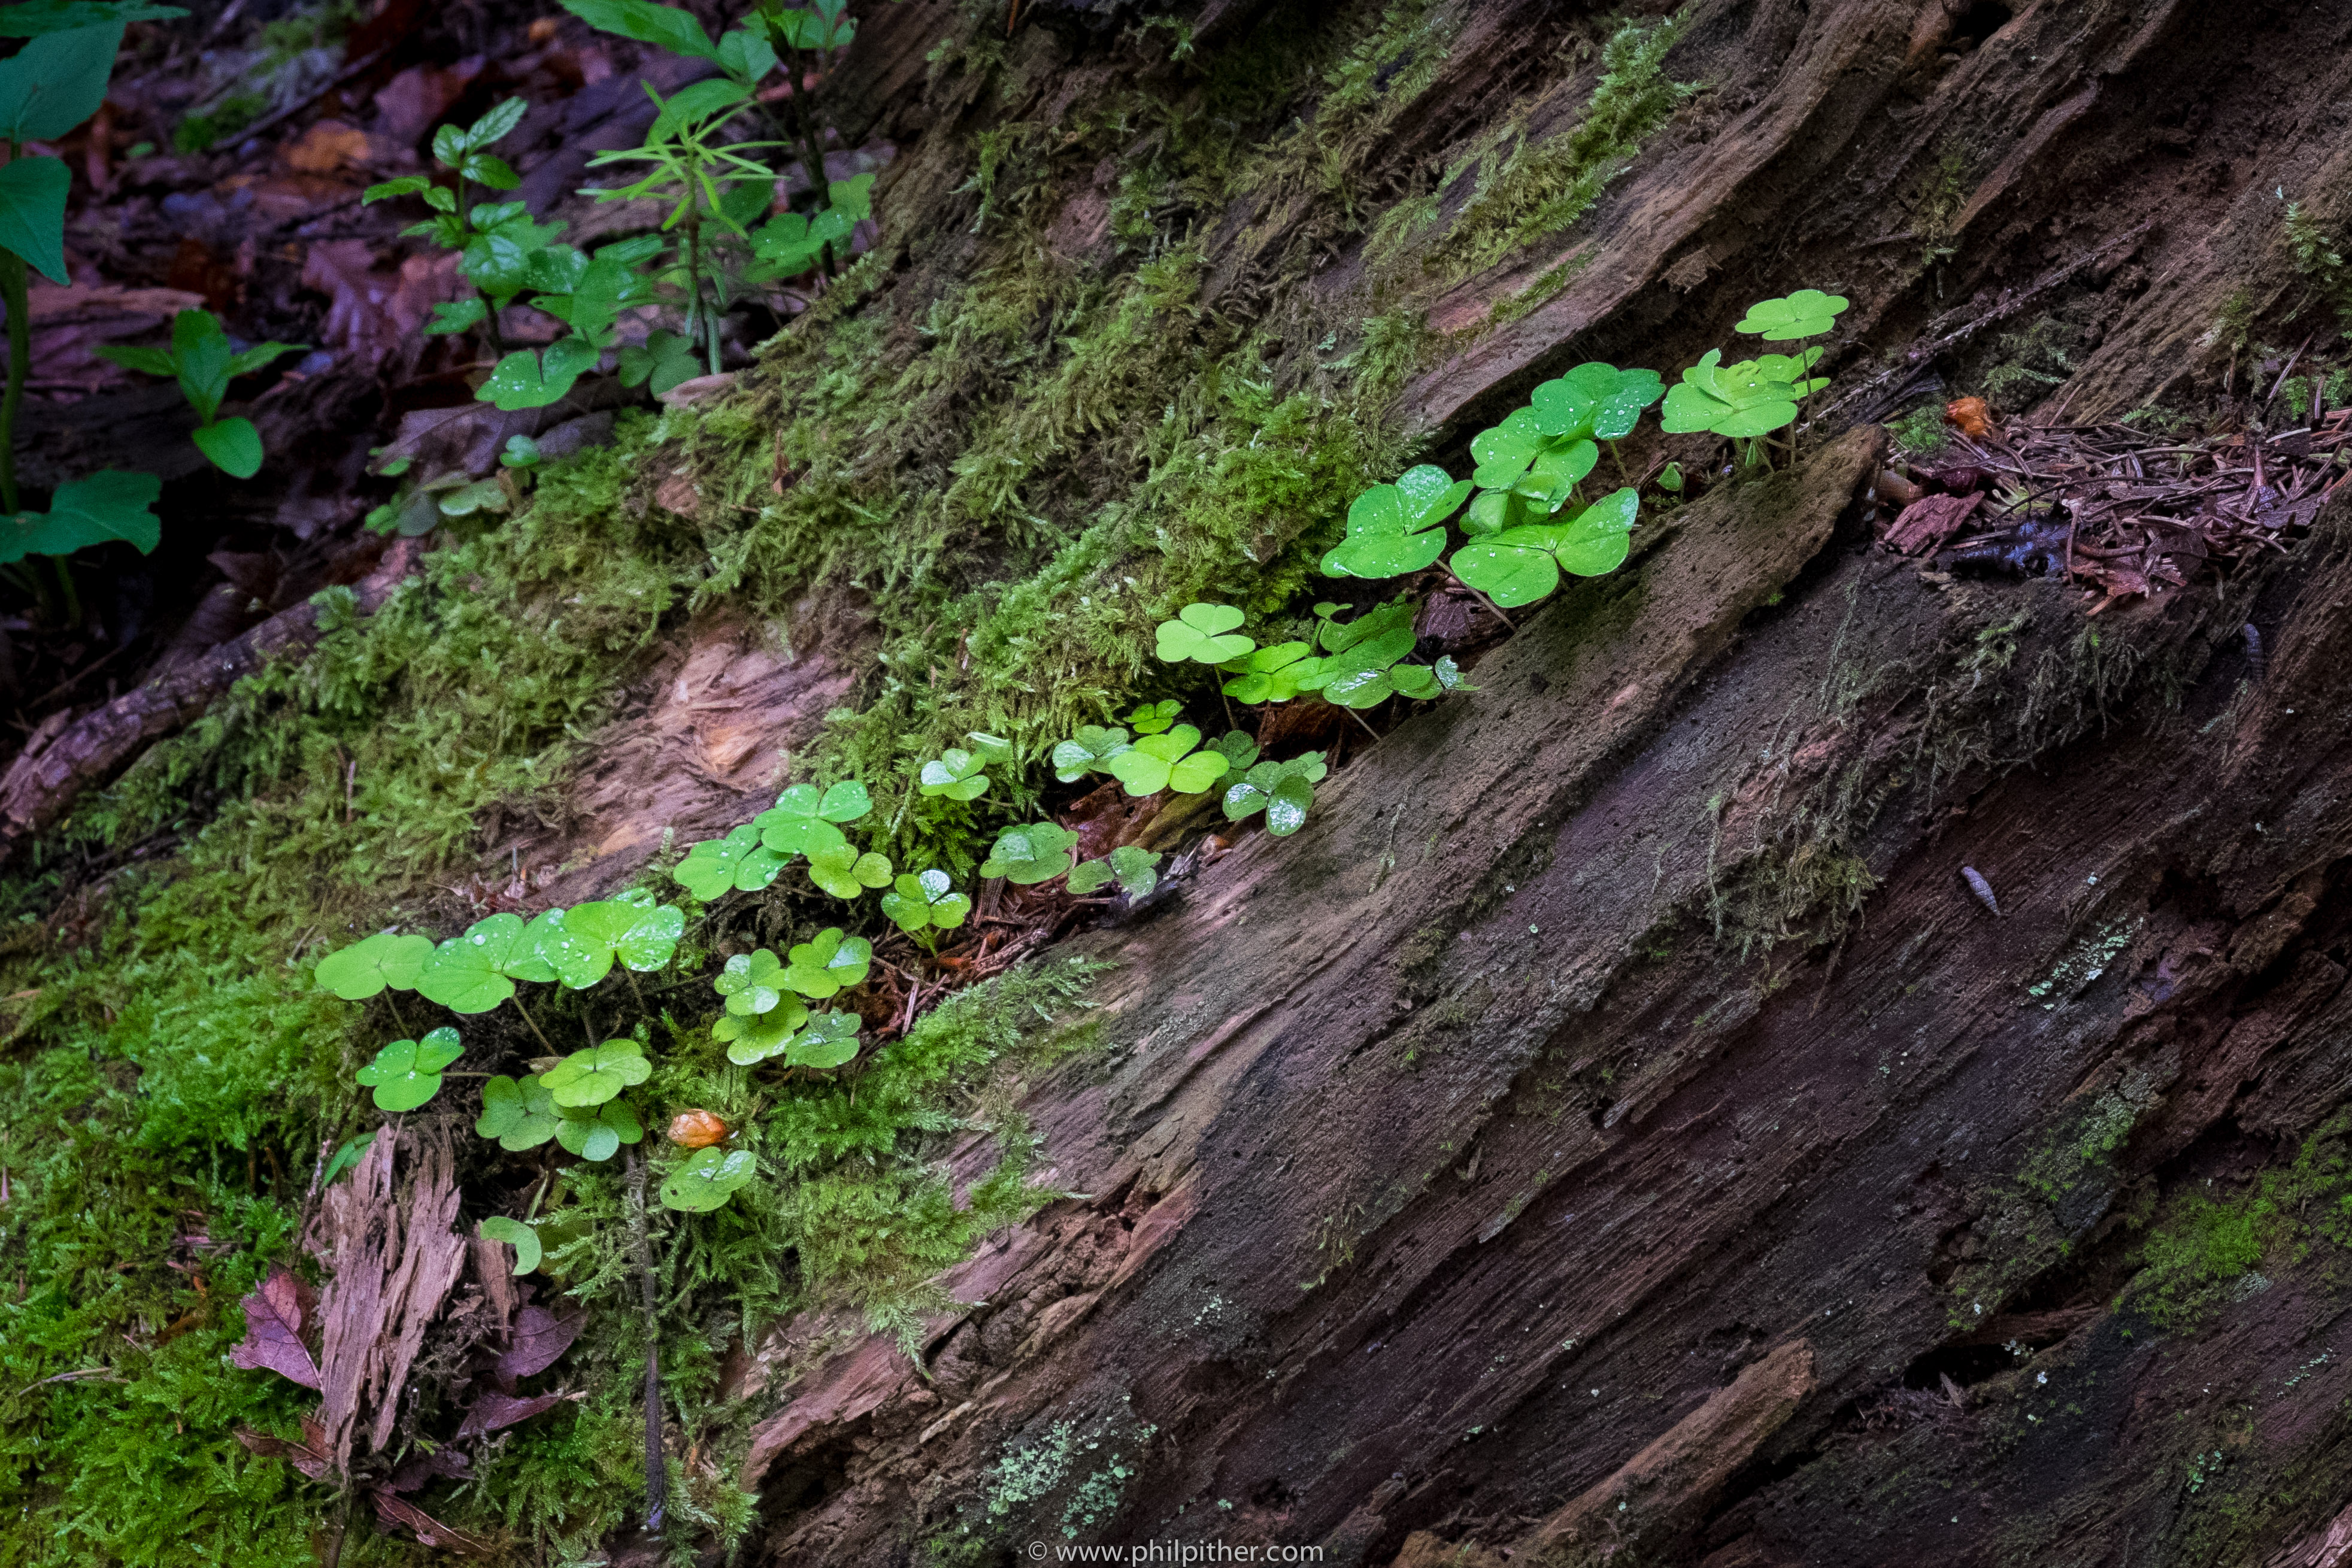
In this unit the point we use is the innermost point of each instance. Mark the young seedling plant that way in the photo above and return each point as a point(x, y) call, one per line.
point(46, 88)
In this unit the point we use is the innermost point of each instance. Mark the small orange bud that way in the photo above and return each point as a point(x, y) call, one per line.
point(697, 1129)
point(1971, 415)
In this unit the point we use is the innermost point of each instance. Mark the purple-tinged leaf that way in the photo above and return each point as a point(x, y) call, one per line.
point(273, 1331)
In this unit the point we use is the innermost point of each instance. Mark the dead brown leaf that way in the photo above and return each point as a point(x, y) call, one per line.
point(430, 1531)
point(309, 1455)
point(274, 1316)
point(326, 147)
point(378, 314)
point(413, 102)
point(540, 1338)
point(494, 1410)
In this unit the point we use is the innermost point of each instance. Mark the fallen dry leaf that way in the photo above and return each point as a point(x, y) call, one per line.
point(374, 313)
point(494, 1410)
point(430, 1531)
point(413, 102)
point(326, 147)
point(274, 1315)
point(540, 1338)
point(1972, 416)
point(309, 1455)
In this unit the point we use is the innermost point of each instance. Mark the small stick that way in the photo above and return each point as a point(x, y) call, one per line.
point(656, 1475)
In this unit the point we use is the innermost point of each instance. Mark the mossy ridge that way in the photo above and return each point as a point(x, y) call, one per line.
point(1521, 189)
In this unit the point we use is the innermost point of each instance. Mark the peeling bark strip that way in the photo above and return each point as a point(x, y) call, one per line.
point(394, 1259)
point(66, 756)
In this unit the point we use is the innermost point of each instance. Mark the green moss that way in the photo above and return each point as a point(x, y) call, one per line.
point(1922, 432)
point(2319, 261)
point(1523, 189)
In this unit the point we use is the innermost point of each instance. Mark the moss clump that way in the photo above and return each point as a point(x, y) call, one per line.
point(1523, 190)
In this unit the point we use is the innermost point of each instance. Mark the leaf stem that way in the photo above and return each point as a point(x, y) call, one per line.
point(397, 1017)
point(631, 975)
point(1360, 719)
point(18, 301)
point(516, 998)
point(1483, 600)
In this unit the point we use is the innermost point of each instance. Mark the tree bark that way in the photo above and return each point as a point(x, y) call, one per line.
point(1613, 1128)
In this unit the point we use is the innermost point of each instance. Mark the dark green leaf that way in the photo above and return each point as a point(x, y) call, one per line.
point(33, 214)
point(709, 1177)
point(57, 82)
point(34, 17)
point(233, 445)
point(648, 23)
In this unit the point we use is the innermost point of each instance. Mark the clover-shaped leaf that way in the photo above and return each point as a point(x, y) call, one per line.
point(476, 971)
point(830, 1040)
point(1506, 452)
point(920, 902)
point(1807, 313)
point(1790, 368)
point(583, 944)
point(407, 1073)
point(1136, 870)
point(1238, 750)
point(592, 1076)
point(956, 774)
point(803, 819)
point(758, 1037)
point(517, 1235)
point(753, 983)
point(1031, 854)
point(1339, 636)
point(1522, 565)
point(707, 1179)
point(841, 872)
point(1357, 675)
point(1167, 761)
point(828, 962)
point(1271, 675)
point(1594, 402)
point(1283, 790)
point(1203, 633)
point(360, 971)
point(1150, 718)
point(739, 862)
point(1396, 529)
point(520, 1115)
point(1427, 682)
point(597, 1133)
point(990, 748)
point(1736, 401)
point(1088, 751)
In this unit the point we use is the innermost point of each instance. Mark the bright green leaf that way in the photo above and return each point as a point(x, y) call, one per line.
point(709, 1177)
point(360, 971)
point(594, 1076)
point(1032, 853)
point(517, 1235)
point(1204, 634)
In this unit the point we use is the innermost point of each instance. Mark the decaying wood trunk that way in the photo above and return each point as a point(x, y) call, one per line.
point(1614, 1129)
